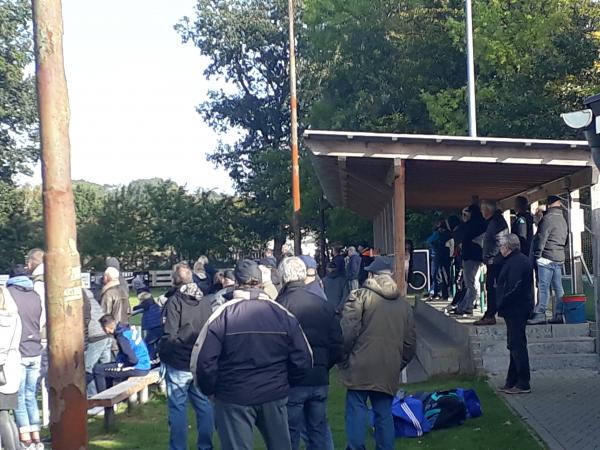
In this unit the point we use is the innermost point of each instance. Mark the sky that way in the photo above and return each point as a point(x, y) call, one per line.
point(133, 90)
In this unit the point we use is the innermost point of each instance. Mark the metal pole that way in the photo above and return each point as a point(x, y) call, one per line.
point(64, 304)
point(471, 70)
point(574, 284)
point(294, 140)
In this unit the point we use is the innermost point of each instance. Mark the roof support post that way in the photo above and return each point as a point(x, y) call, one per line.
point(399, 223)
point(595, 200)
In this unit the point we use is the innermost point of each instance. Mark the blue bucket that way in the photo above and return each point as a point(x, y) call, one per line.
point(574, 309)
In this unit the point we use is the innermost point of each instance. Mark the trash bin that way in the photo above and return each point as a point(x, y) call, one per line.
point(574, 308)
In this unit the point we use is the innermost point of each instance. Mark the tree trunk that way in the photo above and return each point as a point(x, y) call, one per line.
point(278, 244)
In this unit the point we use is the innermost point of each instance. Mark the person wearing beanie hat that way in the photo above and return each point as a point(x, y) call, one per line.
point(313, 282)
point(379, 341)
point(29, 305)
point(113, 262)
point(549, 253)
point(245, 356)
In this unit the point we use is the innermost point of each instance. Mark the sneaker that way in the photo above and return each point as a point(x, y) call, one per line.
point(505, 388)
point(537, 319)
point(485, 321)
point(515, 390)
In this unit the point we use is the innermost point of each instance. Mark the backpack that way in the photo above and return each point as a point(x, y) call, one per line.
point(409, 418)
point(472, 402)
point(445, 409)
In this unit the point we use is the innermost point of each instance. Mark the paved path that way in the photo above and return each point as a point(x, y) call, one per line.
point(563, 408)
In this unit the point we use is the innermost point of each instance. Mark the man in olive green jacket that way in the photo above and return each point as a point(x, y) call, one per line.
point(379, 341)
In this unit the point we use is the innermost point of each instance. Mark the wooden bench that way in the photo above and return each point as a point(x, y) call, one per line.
point(134, 390)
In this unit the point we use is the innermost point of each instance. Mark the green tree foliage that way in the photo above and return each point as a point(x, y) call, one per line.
point(18, 113)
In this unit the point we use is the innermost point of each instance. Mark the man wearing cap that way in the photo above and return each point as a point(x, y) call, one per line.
point(548, 251)
point(379, 341)
point(246, 355)
point(307, 401)
point(312, 281)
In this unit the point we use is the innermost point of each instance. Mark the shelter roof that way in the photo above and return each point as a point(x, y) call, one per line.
point(356, 169)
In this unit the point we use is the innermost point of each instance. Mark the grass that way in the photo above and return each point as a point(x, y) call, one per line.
point(146, 428)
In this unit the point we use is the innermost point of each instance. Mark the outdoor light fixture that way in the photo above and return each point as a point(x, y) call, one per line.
point(587, 120)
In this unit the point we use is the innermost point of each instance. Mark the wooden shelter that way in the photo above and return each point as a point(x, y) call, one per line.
point(378, 175)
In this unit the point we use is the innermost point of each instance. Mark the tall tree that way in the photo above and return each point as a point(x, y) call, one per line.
point(18, 112)
point(247, 44)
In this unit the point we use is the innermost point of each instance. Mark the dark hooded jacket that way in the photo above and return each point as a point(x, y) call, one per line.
point(184, 315)
point(334, 285)
point(522, 226)
point(379, 336)
point(322, 329)
point(473, 229)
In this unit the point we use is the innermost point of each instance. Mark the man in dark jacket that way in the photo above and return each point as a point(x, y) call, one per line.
point(366, 258)
point(312, 280)
point(245, 356)
point(472, 256)
point(338, 260)
point(515, 302)
point(307, 400)
point(522, 226)
point(548, 248)
point(496, 229)
point(379, 341)
point(334, 285)
point(184, 315)
point(133, 359)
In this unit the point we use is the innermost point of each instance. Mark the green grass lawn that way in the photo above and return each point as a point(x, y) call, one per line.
point(146, 428)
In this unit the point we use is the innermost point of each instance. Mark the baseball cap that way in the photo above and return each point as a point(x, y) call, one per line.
point(247, 271)
point(380, 264)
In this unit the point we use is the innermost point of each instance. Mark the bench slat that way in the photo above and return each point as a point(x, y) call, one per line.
point(123, 391)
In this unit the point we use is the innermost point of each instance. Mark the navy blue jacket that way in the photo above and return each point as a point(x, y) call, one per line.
point(249, 351)
point(353, 270)
point(322, 328)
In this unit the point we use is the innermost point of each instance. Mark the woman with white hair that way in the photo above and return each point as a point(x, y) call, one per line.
point(10, 369)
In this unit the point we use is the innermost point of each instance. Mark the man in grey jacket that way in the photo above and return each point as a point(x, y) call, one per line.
point(379, 341)
point(549, 246)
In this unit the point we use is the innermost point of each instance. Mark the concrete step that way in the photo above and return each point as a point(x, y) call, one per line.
point(548, 346)
point(436, 351)
point(499, 364)
point(498, 331)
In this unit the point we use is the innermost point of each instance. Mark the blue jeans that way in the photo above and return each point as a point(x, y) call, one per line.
point(98, 352)
point(307, 407)
point(180, 387)
point(549, 275)
point(357, 413)
point(27, 414)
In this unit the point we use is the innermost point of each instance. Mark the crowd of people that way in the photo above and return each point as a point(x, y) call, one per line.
point(249, 348)
point(252, 347)
point(514, 260)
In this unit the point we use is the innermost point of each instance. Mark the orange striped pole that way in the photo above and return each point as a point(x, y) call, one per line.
point(294, 137)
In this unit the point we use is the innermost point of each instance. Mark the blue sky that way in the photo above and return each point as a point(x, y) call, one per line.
point(133, 90)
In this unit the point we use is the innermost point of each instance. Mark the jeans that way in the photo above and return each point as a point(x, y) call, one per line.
point(549, 275)
point(180, 388)
point(307, 406)
point(435, 289)
point(516, 340)
point(235, 425)
point(356, 419)
point(27, 414)
point(112, 372)
point(471, 272)
point(96, 353)
point(493, 271)
point(442, 278)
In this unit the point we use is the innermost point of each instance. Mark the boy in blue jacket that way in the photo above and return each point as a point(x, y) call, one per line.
point(133, 359)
